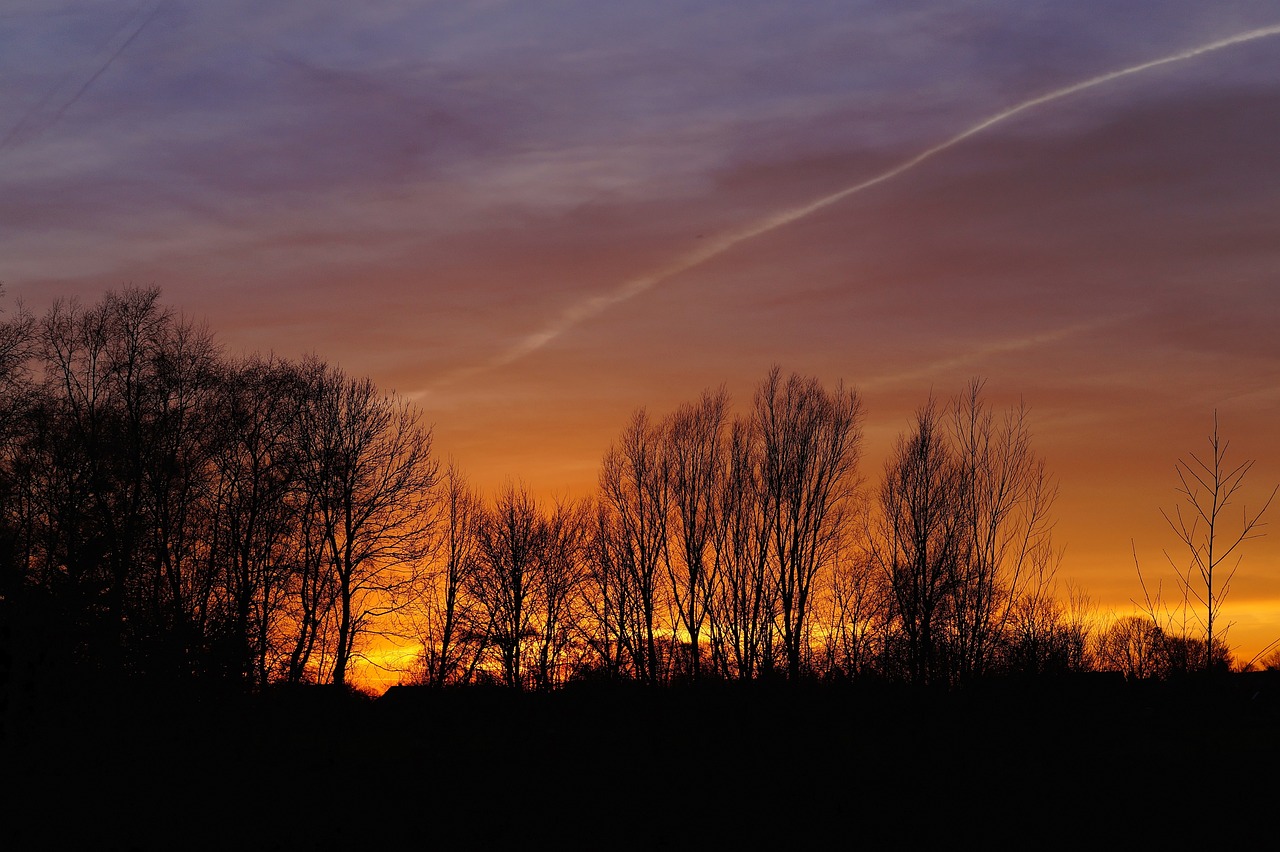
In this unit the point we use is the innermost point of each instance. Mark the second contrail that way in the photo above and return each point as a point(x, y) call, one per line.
point(594, 305)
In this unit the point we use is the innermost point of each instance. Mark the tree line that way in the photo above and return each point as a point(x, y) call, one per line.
point(167, 511)
point(171, 512)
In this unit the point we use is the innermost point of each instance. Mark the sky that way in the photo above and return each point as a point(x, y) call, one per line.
point(533, 218)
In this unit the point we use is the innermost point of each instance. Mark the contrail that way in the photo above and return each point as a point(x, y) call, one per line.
point(112, 58)
point(1016, 344)
point(16, 133)
point(594, 305)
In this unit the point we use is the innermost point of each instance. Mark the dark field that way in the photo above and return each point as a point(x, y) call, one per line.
point(1058, 764)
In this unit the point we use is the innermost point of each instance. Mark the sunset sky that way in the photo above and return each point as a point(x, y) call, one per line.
point(533, 218)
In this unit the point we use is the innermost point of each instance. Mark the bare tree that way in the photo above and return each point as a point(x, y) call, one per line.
point(811, 442)
point(511, 539)
point(1132, 645)
point(1006, 499)
point(608, 601)
point(254, 517)
point(128, 386)
point(918, 539)
point(367, 467)
point(743, 598)
point(190, 516)
point(100, 524)
point(452, 632)
point(1208, 487)
point(963, 539)
point(1045, 633)
point(561, 583)
point(312, 590)
point(16, 516)
point(855, 609)
point(694, 450)
point(184, 428)
point(634, 493)
point(17, 346)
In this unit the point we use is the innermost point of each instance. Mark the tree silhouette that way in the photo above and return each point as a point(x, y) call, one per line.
point(128, 390)
point(609, 602)
point(1208, 487)
point(453, 631)
point(562, 584)
point(856, 609)
point(693, 445)
point(635, 492)
point(16, 517)
point(512, 545)
point(917, 540)
point(962, 537)
point(368, 472)
point(1008, 559)
point(811, 442)
point(255, 518)
point(743, 601)
point(1134, 646)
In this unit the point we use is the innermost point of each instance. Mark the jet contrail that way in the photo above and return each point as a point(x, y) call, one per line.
point(594, 305)
point(17, 133)
point(1016, 344)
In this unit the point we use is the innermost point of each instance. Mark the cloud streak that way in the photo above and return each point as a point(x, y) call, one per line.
point(592, 306)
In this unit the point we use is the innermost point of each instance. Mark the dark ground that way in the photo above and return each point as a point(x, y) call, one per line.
point(1056, 764)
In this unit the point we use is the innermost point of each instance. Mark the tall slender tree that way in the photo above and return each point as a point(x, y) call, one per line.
point(254, 522)
point(1005, 500)
point(917, 540)
point(1208, 487)
point(634, 489)
point(694, 448)
point(811, 441)
point(512, 539)
point(452, 631)
point(743, 598)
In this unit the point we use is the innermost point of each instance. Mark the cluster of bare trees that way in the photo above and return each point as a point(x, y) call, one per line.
point(744, 546)
point(169, 511)
point(701, 555)
point(962, 542)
